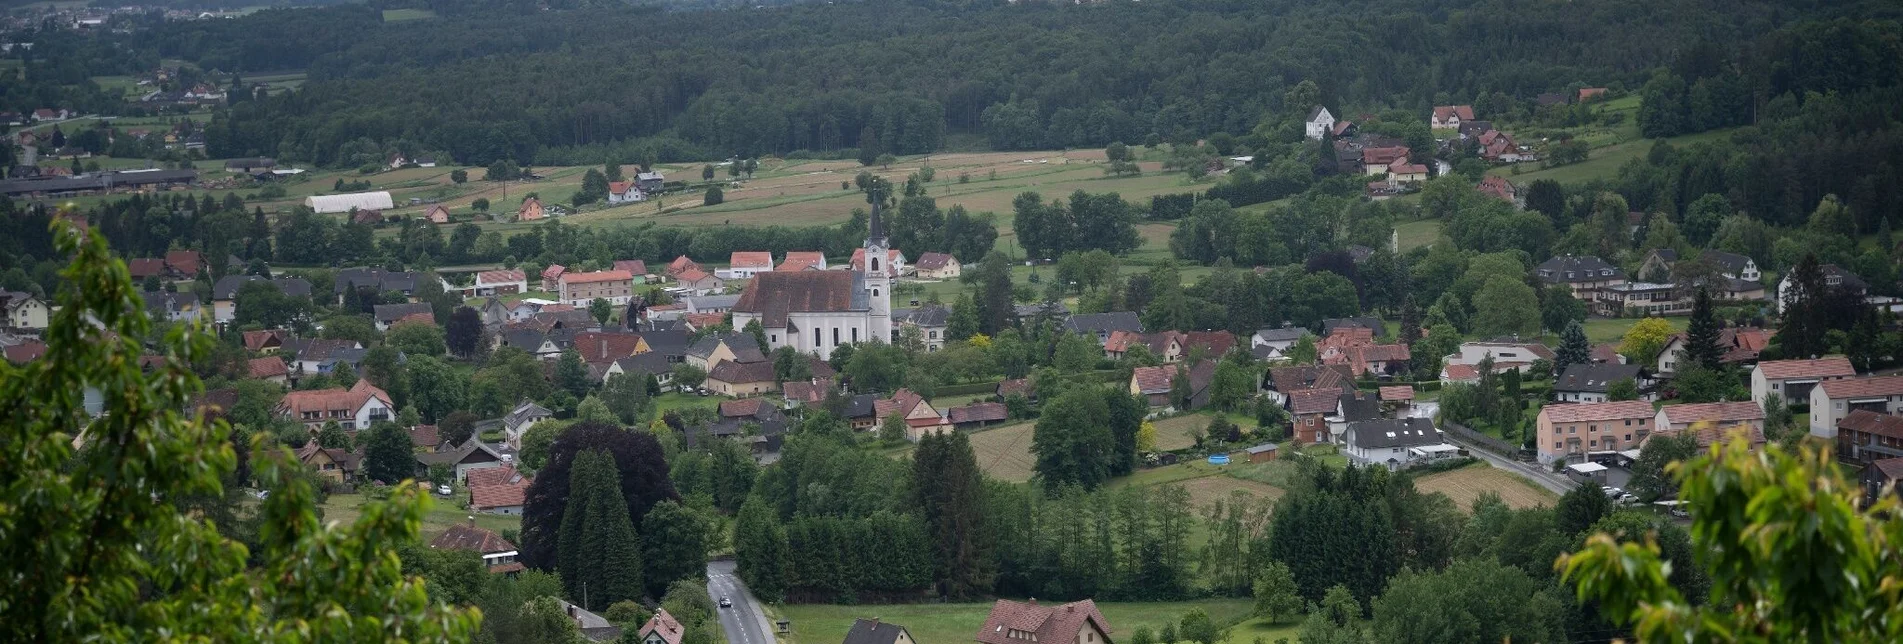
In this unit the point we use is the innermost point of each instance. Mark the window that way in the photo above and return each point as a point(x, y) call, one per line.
point(774, 337)
point(1556, 445)
point(1573, 429)
point(817, 337)
point(855, 334)
point(875, 263)
point(835, 336)
point(1628, 422)
point(875, 292)
point(933, 335)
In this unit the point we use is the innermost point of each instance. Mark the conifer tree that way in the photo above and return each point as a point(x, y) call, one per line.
point(1573, 348)
point(1702, 347)
point(760, 549)
point(600, 553)
point(948, 491)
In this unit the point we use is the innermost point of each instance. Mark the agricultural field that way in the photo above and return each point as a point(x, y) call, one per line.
point(1004, 453)
point(826, 623)
point(1209, 489)
point(443, 512)
point(400, 15)
point(1468, 483)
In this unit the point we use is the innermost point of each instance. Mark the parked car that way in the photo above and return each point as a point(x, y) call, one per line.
point(444, 490)
point(1613, 492)
point(1628, 498)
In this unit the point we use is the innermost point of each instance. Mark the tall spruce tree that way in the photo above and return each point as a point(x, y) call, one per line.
point(1410, 321)
point(948, 491)
point(600, 553)
point(1801, 332)
point(1573, 348)
point(760, 549)
point(1702, 346)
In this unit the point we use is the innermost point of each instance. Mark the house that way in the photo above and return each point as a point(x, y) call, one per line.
point(1319, 123)
point(1285, 380)
point(694, 281)
point(425, 437)
point(919, 415)
point(1794, 379)
point(1164, 345)
point(650, 182)
point(1375, 325)
point(895, 262)
point(1569, 432)
point(598, 349)
point(1499, 187)
point(504, 282)
point(335, 465)
point(1013, 622)
point(1835, 277)
point(1375, 160)
point(1153, 384)
point(1865, 436)
point(552, 277)
point(224, 293)
point(268, 369)
point(1212, 344)
point(746, 264)
point(581, 289)
point(652, 363)
point(816, 311)
point(317, 355)
point(1261, 453)
point(1465, 374)
point(498, 555)
point(1402, 172)
point(1274, 344)
point(732, 378)
point(1309, 409)
point(931, 320)
point(498, 490)
point(1710, 421)
point(1641, 299)
point(620, 192)
point(1397, 397)
point(680, 265)
point(184, 264)
point(710, 303)
point(473, 455)
point(1449, 117)
point(531, 210)
point(713, 349)
point(697, 321)
point(375, 280)
point(976, 415)
point(1505, 354)
point(1351, 407)
point(1102, 324)
point(173, 307)
point(1355, 347)
point(267, 341)
point(355, 408)
point(1395, 442)
point(1833, 400)
point(809, 261)
point(810, 392)
point(872, 631)
point(1591, 92)
point(518, 421)
point(662, 628)
point(330, 204)
point(1880, 475)
point(937, 266)
point(387, 315)
point(637, 268)
point(860, 412)
point(1740, 345)
point(1588, 383)
point(1584, 274)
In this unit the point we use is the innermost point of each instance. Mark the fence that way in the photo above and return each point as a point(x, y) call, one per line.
point(1480, 440)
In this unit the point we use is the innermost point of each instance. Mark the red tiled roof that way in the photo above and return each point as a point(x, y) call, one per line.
point(1217, 342)
point(1121, 341)
point(505, 475)
point(335, 399)
point(1592, 412)
point(902, 402)
point(497, 496)
point(419, 317)
point(437, 214)
point(501, 277)
point(704, 319)
point(750, 259)
point(145, 267)
point(266, 367)
point(632, 266)
point(1863, 387)
point(1752, 339)
point(732, 372)
point(692, 275)
point(257, 340)
point(1050, 624)
point(596, 276)
point(802, 260)
point(1465, 112)
point(1397, 393)
point(425, 436)
point(1460, 372)
point(1406, 168)
point(680, 264)
point(977, 413)
point(1870, 422)
point(1383, 156)
point(553, 271)
point(664, 625)
point(606, 347)
point(186, 262)
point(806, 391)
point(929, 261)
point(462, 536)
point(1153, 380)
point(1718, 412)
point(1496, 186)
point(1825, 367)
point(774, 295)
point(1313, 401)
point(741, 407)
point(858, 260)
point(1608, 352)
point(620, 187)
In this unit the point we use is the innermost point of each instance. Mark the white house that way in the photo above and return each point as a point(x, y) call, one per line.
point(355, 408)
point(816, 311)
point(1519, 355)
point(1834, 277)
point(507, 282)
point(23, 311)
point(1273, 344)
point(620, 192)
point(1833, 400)
point(525, 415)
point(743, 265)
point(1794, 379)
point(1395, 442)
point(1319, 122)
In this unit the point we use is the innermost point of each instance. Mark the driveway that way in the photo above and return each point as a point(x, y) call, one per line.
point(745, 622)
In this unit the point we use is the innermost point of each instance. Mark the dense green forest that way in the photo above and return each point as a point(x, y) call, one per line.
point(556, 86)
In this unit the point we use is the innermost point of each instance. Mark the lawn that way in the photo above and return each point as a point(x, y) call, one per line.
point(1466, 484)
point(935, 623)
point(1600, 330)
point(400, 15)
point(1604, 161)
point(1415, 234)
point(443, 512)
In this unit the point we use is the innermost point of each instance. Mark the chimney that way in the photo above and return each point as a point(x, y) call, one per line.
point(875, 623)
point(1033, 601)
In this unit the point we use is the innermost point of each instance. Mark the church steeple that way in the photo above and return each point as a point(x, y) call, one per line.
point(877, 280)
point(876, 229)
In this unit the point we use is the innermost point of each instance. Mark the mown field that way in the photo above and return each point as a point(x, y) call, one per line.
point(935, 623)
point(443, 512)
point(1468, 483)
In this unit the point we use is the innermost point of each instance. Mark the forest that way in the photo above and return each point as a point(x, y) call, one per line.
point(667, 85)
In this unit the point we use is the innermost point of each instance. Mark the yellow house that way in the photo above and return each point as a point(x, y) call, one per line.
point(333, 464)
point(738, 379)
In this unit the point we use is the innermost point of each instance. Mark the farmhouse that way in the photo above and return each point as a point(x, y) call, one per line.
point(1013, 622)
point(745, 264)
point(355, 408)
point(1449, 117)
point(620, 192)
point(531, 210)
point(23, 311)
point(802, 260)
point(506, 282)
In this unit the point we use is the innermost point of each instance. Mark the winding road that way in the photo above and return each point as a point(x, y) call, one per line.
point(745, 622)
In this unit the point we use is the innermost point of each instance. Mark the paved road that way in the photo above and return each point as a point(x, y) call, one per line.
point(745, 622)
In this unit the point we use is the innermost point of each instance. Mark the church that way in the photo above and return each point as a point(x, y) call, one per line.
point(816, 311)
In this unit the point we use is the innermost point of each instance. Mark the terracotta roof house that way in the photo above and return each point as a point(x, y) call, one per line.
point(1310, 408)
point(895, 261)
point(1402, 393)
point(634, 267)
point(681, 264)
point(1793, 379)
point(355, 408)
point(662, 628)
point(746, 264)
point(531, 210)
point(425, 437)
point(1450, 116)
point(1834, 400)
point(498, 490)
point(1591, 92)
point(184, 263)
point(552, 276)
point(920, 417)
point(497, 553)
point(145, 267)
point(873, 631)
point(1711, 421)
point(1499, 187)
point(1283, 380)
point(1570, 431)
point(1461, 373)
point(620, 192)
point(268, 368)
point(1215, 344)
point(265, 341)
point(1153, 383)
point(437, 214)
point(1866, 436)
point(936, 266)
point(806, 392)
point(806, 260)
point(582, 289)
point(734, 378)
point(337, 465)
point(699, 282)
point(1013, 622)
point(502, 282)
point(601, 348)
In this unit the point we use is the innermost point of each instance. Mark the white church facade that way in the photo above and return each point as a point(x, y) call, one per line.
point(817, 311)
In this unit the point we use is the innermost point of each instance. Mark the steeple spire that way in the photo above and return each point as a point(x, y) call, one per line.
point(876, 229)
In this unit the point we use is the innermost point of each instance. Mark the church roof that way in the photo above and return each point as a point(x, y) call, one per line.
point(774, 295)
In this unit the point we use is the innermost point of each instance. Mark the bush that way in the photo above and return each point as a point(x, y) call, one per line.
point(714, 197)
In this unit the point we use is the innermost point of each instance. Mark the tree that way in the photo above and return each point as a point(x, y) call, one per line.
point(948, 492)
point(331, 436)
point(1505, 306)
point(892, 430)
point(1197, 627)
point(714, 196)
point(1072, 441)
point(463, 332)
point(689, 376)
point(1276, 597)
point(1622, 389)
point(1765, 525)
point(1304, 351)
point(1803, 329)
point(760, 549)
point(456, 428)
point(388, 455)
point(1573, 348)
point(459, 175)
point(593, 410)
point(1471, 601)
point(600, 553)
point(1642, 343)
point(1651, 474)
point(261, 303)
point(105, 516)
point(1558, 307)
point(1702, 345)
point(1337, 620)
point(481, 204)
point(571, 375)
point(1581, 507)
point(417, 339)
point(642, 470)
point(601, 310)
point(675, 537)
point(707, 172)
point(435, 388)
point(993, 279)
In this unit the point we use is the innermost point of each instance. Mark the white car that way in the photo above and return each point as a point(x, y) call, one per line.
point(444, 490)
point(1628, 498)
point(1613, 492)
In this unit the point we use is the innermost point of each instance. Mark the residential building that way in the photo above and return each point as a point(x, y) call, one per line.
point(1880, 475)
point(931, 320)
point(1101, 325)
point(1351, 407)
point(552, 277)
point(1641, 299)
point(1286, 380)
point(1012, 622)
point(1273, 343)
point(498, 555)
point(472, 456)
point(1793, 379)
point(1710, 422)
point(1355, 347)
point(1588, 383)
point(174, 307)
point(1505, 353)
point(662, 628)
point(637, 268)
point(1449, 117)
point(919, 415)
point(810, 261)
point(355, 408)
point(373, 280)
point(387, 315)
point(336, 465)
point(713, 349)
point(1833, 400)
point(731, 378)
point(1740, 346)
point(1866, 436)
point(1376, 327)
point(1570, 431)
point(316, 355)
point(498, 490)
point(694, 281)
point(224, 293)
point(1835, 277)
point(1319, 122)
point(1499, 187)
point(620, 192)
point(650, 182)
point(937, 266)
point(1375, 160)
point(503, 282)
point(531, 210)
point(581, 289)
point(816, 311)
point(266, 341)
point(1395, 442)
point(652, 363)
point(268, 369)
point(1584, 274)
point(870, 631)
point(518, 421)
point(1309, 410)
point(746, 264)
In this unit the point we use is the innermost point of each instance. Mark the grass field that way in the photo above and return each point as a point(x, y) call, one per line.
point(1410, 235)
point(1004, 453)
point(1613, 329)
point(934, 623)
point(443, 512)
point(1604, 162)
point(1209, 489)
point(1467, 484)
point(400, 15)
